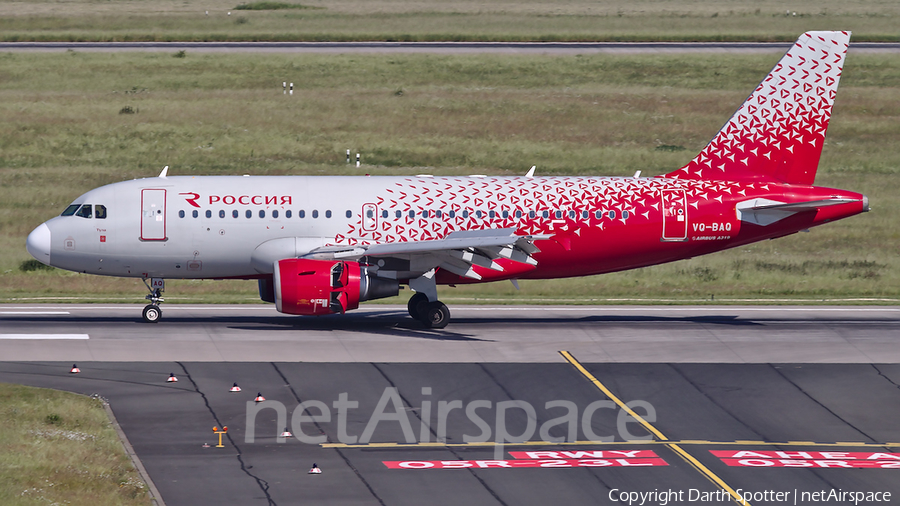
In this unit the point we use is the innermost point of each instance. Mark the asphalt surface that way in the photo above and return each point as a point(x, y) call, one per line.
point(433, 47)
point(476, 334)
point(424, 410)
point(699, 408)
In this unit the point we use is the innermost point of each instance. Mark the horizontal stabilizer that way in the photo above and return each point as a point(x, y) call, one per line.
point(764, 212)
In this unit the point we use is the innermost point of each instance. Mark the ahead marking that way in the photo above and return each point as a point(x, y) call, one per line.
point(44, 336)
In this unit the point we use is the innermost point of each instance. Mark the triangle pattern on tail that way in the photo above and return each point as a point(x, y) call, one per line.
point(778, 133)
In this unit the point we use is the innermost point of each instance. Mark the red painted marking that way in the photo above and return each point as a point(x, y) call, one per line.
point(509, 464)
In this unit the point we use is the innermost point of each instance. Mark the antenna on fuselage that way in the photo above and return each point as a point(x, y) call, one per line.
point(531, 171)
point(164, 172)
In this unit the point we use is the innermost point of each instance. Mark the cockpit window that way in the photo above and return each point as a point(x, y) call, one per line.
point(100, 212)
point(84, 211)
point(70, 210)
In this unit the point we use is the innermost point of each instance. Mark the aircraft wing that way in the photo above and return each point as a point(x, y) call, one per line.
point(456, 253)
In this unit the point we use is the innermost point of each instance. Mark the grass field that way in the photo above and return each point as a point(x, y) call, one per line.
point(65, 132)
point(59, 448)
point(421, 20)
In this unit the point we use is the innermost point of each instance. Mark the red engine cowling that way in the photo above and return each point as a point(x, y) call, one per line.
point(317, 287)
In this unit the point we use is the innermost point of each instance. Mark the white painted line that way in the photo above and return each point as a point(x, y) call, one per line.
point(44, 336)
point(34, 312)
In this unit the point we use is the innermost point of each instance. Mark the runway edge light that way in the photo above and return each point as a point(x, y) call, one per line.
point(235, 388)
point(286, 433)
point(315, 470)
point(74, 370)
point(172, 378)
point(259, 397)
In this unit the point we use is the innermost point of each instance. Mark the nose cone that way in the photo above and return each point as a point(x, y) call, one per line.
point(38, 243)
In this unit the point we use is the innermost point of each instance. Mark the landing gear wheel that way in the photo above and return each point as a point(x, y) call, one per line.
point(152, 313)
point(435, 315)
point(415, 306)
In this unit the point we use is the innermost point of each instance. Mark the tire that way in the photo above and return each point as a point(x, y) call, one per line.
point(436, 315)
point(152, 313)
point(415, 306)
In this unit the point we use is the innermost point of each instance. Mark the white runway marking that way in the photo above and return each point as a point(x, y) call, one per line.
point(35, 312)
point(44, 336)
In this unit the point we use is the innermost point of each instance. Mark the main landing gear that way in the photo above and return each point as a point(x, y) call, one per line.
point(434, 315)
point(152, 313)
point(424, 306)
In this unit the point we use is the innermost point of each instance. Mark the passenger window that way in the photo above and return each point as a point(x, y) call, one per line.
point(505, 214)
point(287, 214)
point(545, 214)
point(584, 215)
point(369, 214)
point(384, 213)
point(328, 214)
point(275, 214)
point(398, 214)
point(438, 213)
point(558, 214)
point(571, 214)
point(412, 214)
point(69, 211)
point(612, 215)
point(262, 214)
point(625, 215)
point(100, 212)
point(349, 213)
point(597, 214)
point(84, 211)
point(531, 214)
point(465, 214)
point(492, 214)
point(452, 214)
point(234, 213)
point(222, 213)
point(181, 214)
point(209, 214)
point(315, 213)
point(425, 213)
point(301, 214)
point(518, 214)
point(195, 213)
point(248, 213)
point(478, 214)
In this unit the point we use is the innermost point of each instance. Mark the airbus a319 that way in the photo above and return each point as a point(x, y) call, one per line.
point(322, 245)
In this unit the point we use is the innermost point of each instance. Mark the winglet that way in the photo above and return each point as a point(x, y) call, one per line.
point(531, 171)
point(164, 172)
point(778, 133)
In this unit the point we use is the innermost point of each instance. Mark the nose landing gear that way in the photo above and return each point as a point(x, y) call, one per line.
point(152, 313)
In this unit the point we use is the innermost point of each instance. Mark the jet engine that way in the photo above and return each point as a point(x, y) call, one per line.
point(317, 287)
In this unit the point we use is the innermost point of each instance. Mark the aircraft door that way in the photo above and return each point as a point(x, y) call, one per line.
point(369, 217)
point(675, 219)
point(153, 215)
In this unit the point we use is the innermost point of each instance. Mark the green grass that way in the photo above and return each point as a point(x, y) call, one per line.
point(60, 448)
point(459, 20)
point(63, 134)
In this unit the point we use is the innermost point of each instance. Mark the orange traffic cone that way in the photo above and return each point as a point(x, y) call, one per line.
point(172, 378)
point(259, 397)
point(75, 369)
point(315, 470)
point(235, 388)
point(286, 433)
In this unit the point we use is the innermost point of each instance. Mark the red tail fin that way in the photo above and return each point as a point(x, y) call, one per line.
point(777, 134)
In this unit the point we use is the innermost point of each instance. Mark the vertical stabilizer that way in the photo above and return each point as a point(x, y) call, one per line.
point(777, 134)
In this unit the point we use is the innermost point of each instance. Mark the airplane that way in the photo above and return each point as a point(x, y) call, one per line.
point(322, 244)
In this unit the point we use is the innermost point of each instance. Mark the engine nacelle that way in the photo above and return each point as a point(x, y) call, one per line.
point(317, 287)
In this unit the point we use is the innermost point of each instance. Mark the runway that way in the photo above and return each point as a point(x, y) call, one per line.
point(433, 47)
point(476, 334)
point(508, 405)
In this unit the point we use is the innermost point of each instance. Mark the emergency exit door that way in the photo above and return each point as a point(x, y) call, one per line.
point(675, 219)
point(153, 215)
